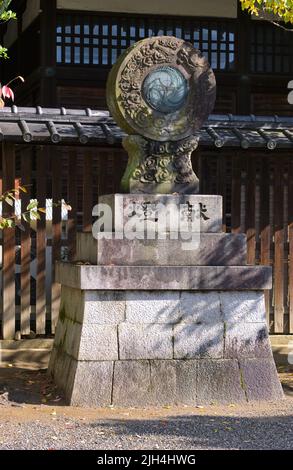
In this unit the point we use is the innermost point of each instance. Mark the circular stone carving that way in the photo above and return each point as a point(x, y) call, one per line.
point(165, 89)
point(161, 88)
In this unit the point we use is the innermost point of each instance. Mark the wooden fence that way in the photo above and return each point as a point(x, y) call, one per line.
point(257, 187)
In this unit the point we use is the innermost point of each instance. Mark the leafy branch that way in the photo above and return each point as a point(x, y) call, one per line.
point(32, 212)
point(5, 15)
point(281, 10)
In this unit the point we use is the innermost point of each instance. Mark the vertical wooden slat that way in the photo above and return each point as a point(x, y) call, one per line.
point(221, 184)
point(72, 200)
point(250, 209)
point(200, 169)
point(41, 243)
point(8, 283)
point(290, 235)
point(25, 310)
point(236, 194)
point(87, 192)
point(56, 233)
point(110, 169)
point(265, 228)
point(279, 247)
point(102, 173)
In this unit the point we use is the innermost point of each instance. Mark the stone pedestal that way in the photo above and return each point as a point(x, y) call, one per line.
point(143, 322)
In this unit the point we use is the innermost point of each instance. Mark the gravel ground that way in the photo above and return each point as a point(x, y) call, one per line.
point(33, 416)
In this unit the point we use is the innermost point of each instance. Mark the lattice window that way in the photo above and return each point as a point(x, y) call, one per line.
point(271, 49)
point(99, 40)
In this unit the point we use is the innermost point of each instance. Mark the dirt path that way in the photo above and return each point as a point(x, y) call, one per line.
point(34, 416)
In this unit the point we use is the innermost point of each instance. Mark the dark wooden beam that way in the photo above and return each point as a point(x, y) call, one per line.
point(243, 57)
point(48, 52)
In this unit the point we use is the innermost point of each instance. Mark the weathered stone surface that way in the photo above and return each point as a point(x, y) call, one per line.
point(200, 307)
point(179, 176)
point(62, 368)
point(243, 306)
point(98, 343)
point(67, 337)
point(71, 337)
point(167, 346)
point(131, 207)
point(163, 382)
point(152, 307)
point(260, 379)
point(186, 382)
point(86, 277)
point(72, 303)
point(211, 249)
point(243, 339)
point(104, 307)
point(59, 333)
point(93, 384)
point(219, 381)
point(149, 341)
point(194, 341)
point(132, 385)
point(181, 119)
point(86, 248)
point(173, 382)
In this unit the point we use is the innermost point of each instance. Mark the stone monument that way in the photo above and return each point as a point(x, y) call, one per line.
point(160, 306)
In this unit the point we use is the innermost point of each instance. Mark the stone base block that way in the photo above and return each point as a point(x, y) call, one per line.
point(150, 348)
point(206, 249)
point(134, 208)
point(142, 383)
point(142, 278)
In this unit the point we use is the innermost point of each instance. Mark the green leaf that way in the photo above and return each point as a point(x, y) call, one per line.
point(35, 215)
point(26, 217)
point(9, 201)
point(10, 223)
point(32, 205)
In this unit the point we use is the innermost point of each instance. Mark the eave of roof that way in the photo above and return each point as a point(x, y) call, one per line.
point(38, 126)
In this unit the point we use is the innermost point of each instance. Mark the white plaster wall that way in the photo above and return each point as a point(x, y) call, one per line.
point(217, 8)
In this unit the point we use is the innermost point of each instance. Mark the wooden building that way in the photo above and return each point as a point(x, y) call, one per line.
point(65, 53)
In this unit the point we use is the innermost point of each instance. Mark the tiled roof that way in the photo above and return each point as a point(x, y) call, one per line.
point(91, 127)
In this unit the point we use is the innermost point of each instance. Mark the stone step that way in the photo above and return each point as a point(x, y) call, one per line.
point(206, 249)
point(26, 353)
point(31, 344)
point(90, 277)
point(282, 346)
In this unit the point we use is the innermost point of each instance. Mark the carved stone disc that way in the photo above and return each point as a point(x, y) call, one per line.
point(161, 88)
